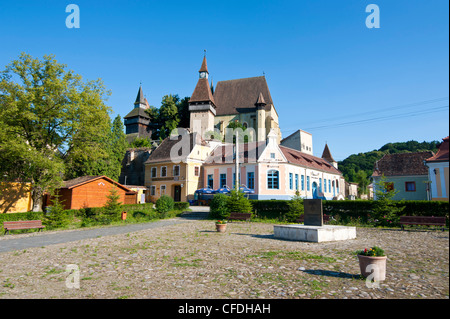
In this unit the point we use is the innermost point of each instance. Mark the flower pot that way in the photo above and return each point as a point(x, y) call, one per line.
point(221, 227)
point(372, 264)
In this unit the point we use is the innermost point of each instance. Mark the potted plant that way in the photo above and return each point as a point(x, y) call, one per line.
point(372, 260)
point(221, 225)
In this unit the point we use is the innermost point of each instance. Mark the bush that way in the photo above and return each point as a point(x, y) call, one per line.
point(112, 207)
point(56, 216)
point(296, 208)
point(238, 203)
point(218, 207)
point(164, 204)
point(181, 206)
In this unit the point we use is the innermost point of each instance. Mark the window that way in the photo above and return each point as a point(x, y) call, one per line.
point(251, 180)
point(163, 189)
point(410, 186)
point(272, 155)
point(307, 183)
point(223, 180)
point(329, 185)
point(163, 171)
point(176, 170)
point(153, 172)
point(210, 181)
point(291, 181)
point(296, 182)
point(324, 185)
point(196, 171)
point(272, 179)
point(303, 182)
point(320, 185)
point(153, 189)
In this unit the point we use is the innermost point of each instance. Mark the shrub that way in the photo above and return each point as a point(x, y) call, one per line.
point(296, 208)
point(218, 207)
point(164, 204)
point(181, 206)
point(238, 203)
point(112, 207)
point(56, 216)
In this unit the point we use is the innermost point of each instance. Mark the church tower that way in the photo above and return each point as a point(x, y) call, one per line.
point(137, 122)
point(202, 107)
point(326, 155)
point(261, 118)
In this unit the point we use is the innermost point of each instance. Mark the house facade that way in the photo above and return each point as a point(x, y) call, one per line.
point(438, 172)
point(405, 173)
point(174, 168)
point(273, 171)
point(91, 191)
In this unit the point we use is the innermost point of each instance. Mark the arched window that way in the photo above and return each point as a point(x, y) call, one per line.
point(273, 180)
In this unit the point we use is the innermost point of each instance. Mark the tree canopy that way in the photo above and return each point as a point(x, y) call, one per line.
point(54, 125)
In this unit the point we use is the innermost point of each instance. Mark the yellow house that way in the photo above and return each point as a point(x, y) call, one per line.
point(15, 197)
point(174, 168)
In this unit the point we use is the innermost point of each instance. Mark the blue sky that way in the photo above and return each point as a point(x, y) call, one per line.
point(350, 86)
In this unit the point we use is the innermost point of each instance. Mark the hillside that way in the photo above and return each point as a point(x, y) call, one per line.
point(365, 161)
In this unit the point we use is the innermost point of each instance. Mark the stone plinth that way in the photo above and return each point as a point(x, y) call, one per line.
point(315, 234)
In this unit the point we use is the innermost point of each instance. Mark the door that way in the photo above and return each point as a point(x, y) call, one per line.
point(314, 190)
point(177, 193)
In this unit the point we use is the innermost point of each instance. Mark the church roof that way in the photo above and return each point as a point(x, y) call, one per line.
point(137, 111)
point(239, 96)
point(202, 92)
point(204, 67)
point(326, 155)
point(140, 99)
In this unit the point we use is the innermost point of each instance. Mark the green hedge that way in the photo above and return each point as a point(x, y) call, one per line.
point(352, 209)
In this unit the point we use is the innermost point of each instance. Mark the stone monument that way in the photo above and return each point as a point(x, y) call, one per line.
point(313, 229)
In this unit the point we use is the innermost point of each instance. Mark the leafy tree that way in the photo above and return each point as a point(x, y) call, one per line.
point(363, 181)
point(183, 112)
point(47, 113)
point(141, 142)
point(168, 116)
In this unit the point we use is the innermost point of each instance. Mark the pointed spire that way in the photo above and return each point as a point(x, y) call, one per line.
point(140, 99)
point(204, 67)
point(326, 155)
point(260, 100)
point(212, 86)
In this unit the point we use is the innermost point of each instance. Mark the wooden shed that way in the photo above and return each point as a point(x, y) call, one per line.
point(91, 191)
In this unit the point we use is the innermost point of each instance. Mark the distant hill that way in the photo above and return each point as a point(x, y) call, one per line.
point(365, 161)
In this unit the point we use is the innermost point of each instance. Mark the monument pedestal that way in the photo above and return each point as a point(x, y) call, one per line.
point(315, 234)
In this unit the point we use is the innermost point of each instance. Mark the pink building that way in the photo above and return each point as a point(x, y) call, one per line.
point(274, 171)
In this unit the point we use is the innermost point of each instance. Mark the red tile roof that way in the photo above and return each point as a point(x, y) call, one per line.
point(442, 153)
point(309, 161)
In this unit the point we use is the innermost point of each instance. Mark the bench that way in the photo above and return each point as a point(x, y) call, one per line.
point(22, 224)
point(325, 219)
point(239, 216)
point(422, 220)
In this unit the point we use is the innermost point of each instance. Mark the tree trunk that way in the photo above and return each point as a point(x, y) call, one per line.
point(36, 195)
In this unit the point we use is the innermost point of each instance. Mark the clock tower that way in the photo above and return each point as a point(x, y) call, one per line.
point(202, 107)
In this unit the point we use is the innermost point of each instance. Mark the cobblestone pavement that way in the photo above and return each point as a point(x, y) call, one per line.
point(192, 260)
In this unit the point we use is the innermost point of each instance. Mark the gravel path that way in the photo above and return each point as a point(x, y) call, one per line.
point(188, 259)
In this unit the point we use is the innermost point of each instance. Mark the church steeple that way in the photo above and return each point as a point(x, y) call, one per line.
point(202, 107)
point(140, 99)
point(326, 155)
